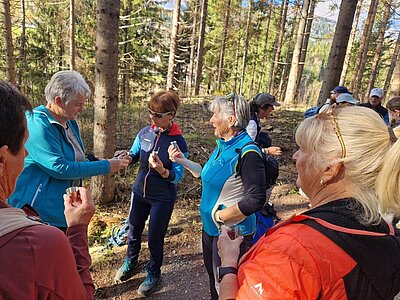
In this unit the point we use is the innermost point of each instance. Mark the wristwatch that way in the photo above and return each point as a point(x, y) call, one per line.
point(221, 271)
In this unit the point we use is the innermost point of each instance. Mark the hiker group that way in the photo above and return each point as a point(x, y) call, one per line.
point(348, 163)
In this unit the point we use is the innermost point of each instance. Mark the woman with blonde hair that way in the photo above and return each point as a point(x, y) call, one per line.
point(348, 165)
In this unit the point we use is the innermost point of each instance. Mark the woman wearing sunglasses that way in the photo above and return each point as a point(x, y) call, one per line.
point(154, 190)
point(226, 197)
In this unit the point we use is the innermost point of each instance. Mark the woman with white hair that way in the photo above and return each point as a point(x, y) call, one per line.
point(227, 198)
point(348, 165)
point(56, 159)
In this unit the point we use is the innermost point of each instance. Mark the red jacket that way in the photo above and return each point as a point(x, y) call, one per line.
point(40, 262)
point(310, 258)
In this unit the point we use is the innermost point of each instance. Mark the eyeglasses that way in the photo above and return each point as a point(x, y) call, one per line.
point(232, 97)
point(158, 115)
point(329, 112)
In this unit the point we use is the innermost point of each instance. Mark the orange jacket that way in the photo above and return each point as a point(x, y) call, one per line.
point(296, 261)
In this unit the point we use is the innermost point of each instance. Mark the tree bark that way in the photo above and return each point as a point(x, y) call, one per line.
point(72, 35)
point(22, 40)
point(359, 66)
point(379, 45)
point(338, 48)
point(106, 93)
point(278, 46)
point(246, 47)
point(223, 45)
point(289, 54)
point(200, 48)
point(350, 45)
point(294, 70)
point(304, 47)
point(264, 56)
point(394, 66)
point(173, 44)
point(11, 73)
point(193, 46)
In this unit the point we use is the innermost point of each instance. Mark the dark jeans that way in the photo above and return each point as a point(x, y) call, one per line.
point(212, 260)
point(160, 214)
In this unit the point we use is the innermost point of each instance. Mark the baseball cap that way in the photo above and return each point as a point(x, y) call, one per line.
point(346, 98)
point(340, 89)
point(263, 99)
point(378, 92)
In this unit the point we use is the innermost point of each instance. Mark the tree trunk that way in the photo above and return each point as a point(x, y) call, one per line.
point(223, 45)
point(200, 48)
point(22, 40)
point(193, 46)
point(264, 56)
point(359, 66)
point(294, 69)
point(289, 55)
point(394, 65)
point(11, 74)
point(236, 64)
point(246, 47)
point(173, 45)
point(106, 93)
point(304, 47)
point(72, 35)
point(277, 52)
point(350, 45)
point(338, 48)
point(255, 60)
point(379, 45)
point(125, 57)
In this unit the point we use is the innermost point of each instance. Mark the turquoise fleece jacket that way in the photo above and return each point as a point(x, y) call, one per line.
point(50, 167)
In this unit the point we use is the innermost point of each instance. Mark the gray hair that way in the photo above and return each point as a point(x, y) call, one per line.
point(66, 85)
point(230, 105)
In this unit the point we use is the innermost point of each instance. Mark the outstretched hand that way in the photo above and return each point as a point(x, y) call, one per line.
point(79, 207)
point(175, 154)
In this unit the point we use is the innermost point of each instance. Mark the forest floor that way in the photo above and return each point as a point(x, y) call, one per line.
point(183, 272)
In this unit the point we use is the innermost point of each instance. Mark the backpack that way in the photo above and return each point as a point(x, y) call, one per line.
point(119, 234)
point(265, 219)
point(311, 112)
point(270, 163)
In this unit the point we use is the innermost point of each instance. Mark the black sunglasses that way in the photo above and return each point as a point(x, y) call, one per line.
point(158, 115)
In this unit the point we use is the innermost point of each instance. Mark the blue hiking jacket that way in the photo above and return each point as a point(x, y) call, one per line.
point(222, 188)
point(50, 167)
point(149, 183)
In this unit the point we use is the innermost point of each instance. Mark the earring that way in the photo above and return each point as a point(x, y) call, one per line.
point(323, 184)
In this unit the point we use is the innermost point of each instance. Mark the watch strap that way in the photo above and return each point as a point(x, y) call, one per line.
point(225, 270)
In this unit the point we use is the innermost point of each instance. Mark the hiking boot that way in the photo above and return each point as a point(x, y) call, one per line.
point(126, 271)
point(149, 285)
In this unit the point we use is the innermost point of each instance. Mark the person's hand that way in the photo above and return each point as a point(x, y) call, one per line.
point(175, 154)
point(122, 154)
point(276, 151)
point(228, 249)
point(155, 162)
point(117, 164)
point(79, 207)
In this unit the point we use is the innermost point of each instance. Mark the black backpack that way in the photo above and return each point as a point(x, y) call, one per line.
point(270, 163)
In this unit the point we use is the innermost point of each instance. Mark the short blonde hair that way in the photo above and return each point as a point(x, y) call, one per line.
point(368, 151)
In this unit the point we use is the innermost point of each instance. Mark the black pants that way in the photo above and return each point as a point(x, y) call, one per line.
point(160, 214)
point(212, 260)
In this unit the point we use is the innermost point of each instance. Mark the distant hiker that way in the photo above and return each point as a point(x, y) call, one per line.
point(154, 189)
point(393, 107)
point(227, 198)
point(375, 103)
point(341, 248)
point(335, 93)
point(260, 108)
point(56, 155)
point(38, 261)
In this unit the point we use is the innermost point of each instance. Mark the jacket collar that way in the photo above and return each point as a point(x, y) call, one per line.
point(174, 130)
